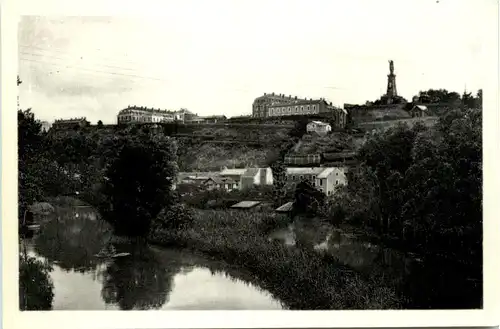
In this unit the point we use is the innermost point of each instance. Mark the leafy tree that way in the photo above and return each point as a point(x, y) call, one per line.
point(139, 183)
point(35, 286)
point(438, 96)
point(308, 200)
point(140, 282)
point(99, 124)
point(300, 128)
point(279, 182)
point(421, 189)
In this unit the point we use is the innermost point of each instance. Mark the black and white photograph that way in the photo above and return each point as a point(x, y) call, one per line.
point(250, 155)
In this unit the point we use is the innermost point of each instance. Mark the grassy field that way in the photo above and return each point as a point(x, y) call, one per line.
point(300, 278)
point(335, 142)
point(428, 121)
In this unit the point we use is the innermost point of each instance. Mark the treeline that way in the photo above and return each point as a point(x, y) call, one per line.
point(420, 189)
point(434, 96)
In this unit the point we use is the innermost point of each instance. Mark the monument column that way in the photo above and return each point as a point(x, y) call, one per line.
point(391, 84)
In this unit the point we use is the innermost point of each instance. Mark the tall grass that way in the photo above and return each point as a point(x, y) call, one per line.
point(301, 279)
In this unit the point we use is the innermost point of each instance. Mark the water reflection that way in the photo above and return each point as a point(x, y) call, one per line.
point(71, 237)
point(140, 281)
point(150, 278)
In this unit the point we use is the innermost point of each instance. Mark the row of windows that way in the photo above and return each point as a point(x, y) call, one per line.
point(143, 118)
point(285, 110)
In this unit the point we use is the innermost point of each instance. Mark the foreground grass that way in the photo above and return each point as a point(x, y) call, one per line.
point(300, 278)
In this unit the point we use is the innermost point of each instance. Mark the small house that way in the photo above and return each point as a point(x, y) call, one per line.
point(318, 127)
point(224, 183)
point(246, 205)
point(419, 111)
point(249, 177)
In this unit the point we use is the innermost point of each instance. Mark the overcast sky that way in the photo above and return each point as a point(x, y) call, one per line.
point(215, 57)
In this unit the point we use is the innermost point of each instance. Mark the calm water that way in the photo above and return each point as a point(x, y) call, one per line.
point(422, 284)
point(152, 278)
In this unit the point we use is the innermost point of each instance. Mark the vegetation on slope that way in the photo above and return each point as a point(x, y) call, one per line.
point(300, 278)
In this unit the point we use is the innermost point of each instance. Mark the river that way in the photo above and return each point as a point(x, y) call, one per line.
point(150, 278)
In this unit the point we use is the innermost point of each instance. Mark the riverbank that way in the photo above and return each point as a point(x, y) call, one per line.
point(299, 277)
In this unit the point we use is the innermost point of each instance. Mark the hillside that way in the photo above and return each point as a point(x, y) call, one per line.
point(377, 125)
point(210, 156)
point(336, 142)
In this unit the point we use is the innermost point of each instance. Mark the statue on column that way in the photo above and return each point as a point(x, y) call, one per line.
point(391, 67)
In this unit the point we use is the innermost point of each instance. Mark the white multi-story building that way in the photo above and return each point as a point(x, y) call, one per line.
point(249, 177)
point(325, 179)
point(135, 114)
point(318, 127)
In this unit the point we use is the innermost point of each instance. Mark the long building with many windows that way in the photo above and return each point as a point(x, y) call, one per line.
point(311, 107)
point(260, 107)
point(274, 106)
point(135, 114)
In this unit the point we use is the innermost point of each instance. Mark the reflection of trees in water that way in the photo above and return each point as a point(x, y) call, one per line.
point(35, 286)
point(139, 281)
point(72, 241)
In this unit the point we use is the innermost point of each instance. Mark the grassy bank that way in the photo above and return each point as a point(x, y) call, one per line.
point(300, 278)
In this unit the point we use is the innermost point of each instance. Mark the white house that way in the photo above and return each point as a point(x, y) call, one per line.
point(419, 111)
point(325, 179)
point(248, 177)
point(318, 127)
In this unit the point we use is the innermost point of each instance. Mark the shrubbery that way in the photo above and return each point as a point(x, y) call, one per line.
point(35, 286)
point(300, 278)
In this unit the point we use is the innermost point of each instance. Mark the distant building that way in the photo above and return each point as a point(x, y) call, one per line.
point(249, 177)
point(135, 114)
point(46, 126)
point(214, 119)
point(419, 111)
point(303, 159)
point(318, 127)
point(325, 179)
point(217, 182)
point(70, 123)
point(260, 107)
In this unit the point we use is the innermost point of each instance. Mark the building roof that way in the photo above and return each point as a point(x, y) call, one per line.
point(196, 174)
point(246, 204)
point(233, 172)
point(420, 107)
point(251, 172)
point(326, 172)
point(72, 120)
point(319, 123)
point(304, 171)
point(221, 180)
point(286, 207)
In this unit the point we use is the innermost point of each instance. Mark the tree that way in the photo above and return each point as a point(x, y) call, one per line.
point(438, 96)
point(139, 183)
point(141, 281)
point(99, 124)
point(35, 286)
point(308, 200)
point(300, 128)
point(279, 182)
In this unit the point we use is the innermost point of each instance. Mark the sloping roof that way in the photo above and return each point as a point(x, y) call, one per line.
point(286, 207)
point(304, 171)
point(196, 174)
point(246, 204)
point(251, 172)
point(420, 107)
point(222, 180)
point(319, 123)
point(233, 172)
point(326, 172)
